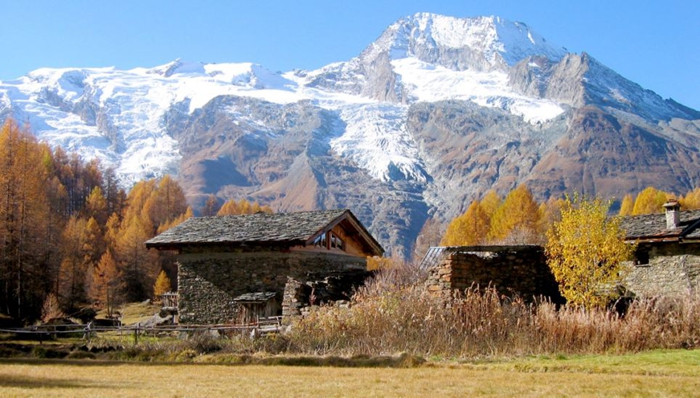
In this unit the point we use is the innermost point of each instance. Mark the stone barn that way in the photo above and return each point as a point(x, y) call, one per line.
point(667, 258)
point(513, 270)
point(233, 268)
point(666, 263)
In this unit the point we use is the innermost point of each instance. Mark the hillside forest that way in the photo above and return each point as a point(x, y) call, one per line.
point(72, 238)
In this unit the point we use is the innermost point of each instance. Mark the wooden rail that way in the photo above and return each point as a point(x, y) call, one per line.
point(44, 332)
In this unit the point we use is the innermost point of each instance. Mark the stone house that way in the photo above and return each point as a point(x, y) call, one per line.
point(234, 268)
point(667, 258)
point(666, 263)
point(513, 270)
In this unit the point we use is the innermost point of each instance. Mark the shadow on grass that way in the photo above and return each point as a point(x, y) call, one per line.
point(43, 382)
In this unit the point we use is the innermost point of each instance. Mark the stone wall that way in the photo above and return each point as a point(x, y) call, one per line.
point(511, 270)
point(208, 282)
point(672, 269)
point(320, 289)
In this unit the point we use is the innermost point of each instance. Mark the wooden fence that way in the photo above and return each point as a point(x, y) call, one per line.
point(88, 331)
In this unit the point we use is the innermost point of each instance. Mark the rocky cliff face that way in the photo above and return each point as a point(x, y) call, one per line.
point(427, 118)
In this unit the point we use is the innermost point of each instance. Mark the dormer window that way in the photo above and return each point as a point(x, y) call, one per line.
point(329, 240)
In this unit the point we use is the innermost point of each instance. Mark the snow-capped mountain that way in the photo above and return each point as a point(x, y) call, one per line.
point(429, 116)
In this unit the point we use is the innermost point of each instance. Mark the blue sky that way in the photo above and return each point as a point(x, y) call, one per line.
point(654, 43)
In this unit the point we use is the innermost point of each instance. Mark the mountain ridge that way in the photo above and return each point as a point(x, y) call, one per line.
point(425, 119)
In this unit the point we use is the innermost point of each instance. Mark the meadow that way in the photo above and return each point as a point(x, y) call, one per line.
point(648, 374)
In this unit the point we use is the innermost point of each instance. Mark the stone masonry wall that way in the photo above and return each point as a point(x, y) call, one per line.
point(521, 270)
point(672, 270)
point(208, 282)
point(320, 289)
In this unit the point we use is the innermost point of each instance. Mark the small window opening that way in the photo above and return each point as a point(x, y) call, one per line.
point(641, 257)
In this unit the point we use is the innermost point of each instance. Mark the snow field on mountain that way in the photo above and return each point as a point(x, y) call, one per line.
point(429, 83)
point(377, 140)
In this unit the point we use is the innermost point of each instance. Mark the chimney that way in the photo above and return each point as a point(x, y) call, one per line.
point(673, 213)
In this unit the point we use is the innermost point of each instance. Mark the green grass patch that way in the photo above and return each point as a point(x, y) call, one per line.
point(648, 363)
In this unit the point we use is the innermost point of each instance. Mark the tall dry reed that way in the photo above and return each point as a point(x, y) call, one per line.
point(395, 313)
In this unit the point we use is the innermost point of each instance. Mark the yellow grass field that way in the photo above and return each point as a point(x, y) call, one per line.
point(673, 373)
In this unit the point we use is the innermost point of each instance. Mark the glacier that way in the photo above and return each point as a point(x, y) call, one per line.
point(118, 115)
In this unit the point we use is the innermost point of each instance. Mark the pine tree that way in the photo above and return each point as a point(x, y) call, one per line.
point(165, 203)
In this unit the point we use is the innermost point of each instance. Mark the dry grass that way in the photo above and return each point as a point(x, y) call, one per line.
point(393, 315)
point(652, 374)
point(135, 312)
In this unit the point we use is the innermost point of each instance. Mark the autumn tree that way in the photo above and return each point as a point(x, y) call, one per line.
point(490, 203)
point(71, 286)
point(430, 235)
point(229, 208)
point(650, 201)
point(137, 266)
point(165, 203)
point(96, 206)
point(627, 205)
point(469, 229)
point(105, 283)
point(232, 207)
point(550, 212)
point(162, 284)
point(516, 218)
point(211, 207)
point(24, 228)
point(586, 252)
point(691, 201)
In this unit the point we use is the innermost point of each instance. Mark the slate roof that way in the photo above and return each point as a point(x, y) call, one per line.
point(257, 297)
point(278, 228)
point(652, 227)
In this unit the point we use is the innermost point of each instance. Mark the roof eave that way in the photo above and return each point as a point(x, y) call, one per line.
point(375, 247)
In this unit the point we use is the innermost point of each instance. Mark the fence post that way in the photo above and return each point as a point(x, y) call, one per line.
point(136, 334)
point(88, 331)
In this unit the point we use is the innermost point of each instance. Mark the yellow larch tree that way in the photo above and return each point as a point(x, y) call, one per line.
point(516, 218)
point(229, 208)
point(627, 205)
point(469, 229)
point(162, 285)
point(105, 283)
point(691, 201)
point(650, 201)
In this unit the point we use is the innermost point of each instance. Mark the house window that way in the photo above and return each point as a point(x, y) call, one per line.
point(336, 242)
point(329, 240)
point(320, 241)
point(641, 257)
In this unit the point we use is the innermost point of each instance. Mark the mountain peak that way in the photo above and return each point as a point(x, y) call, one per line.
point(179, 66)
point(482, 43)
